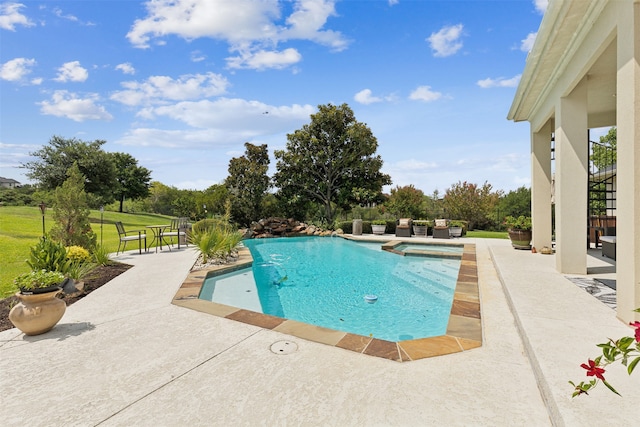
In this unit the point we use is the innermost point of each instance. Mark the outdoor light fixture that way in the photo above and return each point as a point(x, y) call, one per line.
point(43, 209)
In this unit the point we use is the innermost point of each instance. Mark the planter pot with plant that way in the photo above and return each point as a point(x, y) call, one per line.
point(378, 226)
point(420, 227)
point(519, 231)
point(39, 309)
point(456, 228)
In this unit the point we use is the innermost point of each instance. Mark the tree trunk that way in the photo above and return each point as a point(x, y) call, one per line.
point(121, 203)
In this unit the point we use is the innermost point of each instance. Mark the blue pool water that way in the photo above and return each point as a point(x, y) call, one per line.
point(324, 281)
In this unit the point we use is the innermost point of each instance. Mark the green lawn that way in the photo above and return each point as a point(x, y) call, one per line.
point(488, 234)
point(21, 227)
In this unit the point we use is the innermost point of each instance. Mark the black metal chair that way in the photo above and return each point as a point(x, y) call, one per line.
point(128, 236)
point(178, 228)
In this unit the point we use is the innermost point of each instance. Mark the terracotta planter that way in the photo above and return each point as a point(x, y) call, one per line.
point(37, 313)
point(520, 239)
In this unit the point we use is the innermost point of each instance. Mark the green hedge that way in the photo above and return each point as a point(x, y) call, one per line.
point(347, 227)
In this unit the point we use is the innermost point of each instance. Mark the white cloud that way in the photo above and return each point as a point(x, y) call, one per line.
point(499, 82)
point(221, 122)
point(10, 16)
point(163, 88)
point(197, 56)
point(541, 5)
point(126, 68)
point(393, 2)
point(233, 113)
point(306, 23)
point(365, 97)
point(263, 59)
point(58, 12)
point(69, 105)
point(249, 26)
point(446, 42)
point(237, 21)
point(72, 71)
point(527, 43)
point(16, 69)
point(424, 93)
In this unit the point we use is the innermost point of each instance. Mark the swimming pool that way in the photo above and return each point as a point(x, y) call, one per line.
point(324, 281)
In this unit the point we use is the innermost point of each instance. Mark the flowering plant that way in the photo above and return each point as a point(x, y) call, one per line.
point(620, 350)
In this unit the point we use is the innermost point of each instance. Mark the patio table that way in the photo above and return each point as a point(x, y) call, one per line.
point(158, 237)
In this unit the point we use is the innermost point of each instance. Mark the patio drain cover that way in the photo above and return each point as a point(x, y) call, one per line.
point(284, 347)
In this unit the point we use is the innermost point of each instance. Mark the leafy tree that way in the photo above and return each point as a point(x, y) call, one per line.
point(19, 196)
point(515, 203)
point(467, 201)
point(55, 159)
point(133, 181)
point(248, 183)
point(326, 159)
point(406, 202)
point(211, 202)
point(160, 199)
point(71, 213)
point(604, 154)
point(185, 203)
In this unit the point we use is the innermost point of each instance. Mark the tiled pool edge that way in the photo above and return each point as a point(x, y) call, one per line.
point(464, 331)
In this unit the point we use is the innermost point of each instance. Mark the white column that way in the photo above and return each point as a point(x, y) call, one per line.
point(541, 186)
point(572, 151)
point(628, 167)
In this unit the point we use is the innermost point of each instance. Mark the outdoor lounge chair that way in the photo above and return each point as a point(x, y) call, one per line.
point(403, 227)
point(608, 246)
point(178, 229)
point(128, 236)
point(441, 229)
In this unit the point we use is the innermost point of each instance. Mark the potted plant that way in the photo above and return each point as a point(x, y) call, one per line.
point(420, 227)
point(455, 228)
point(519, 231)
point(39, 308)
point(378, 226)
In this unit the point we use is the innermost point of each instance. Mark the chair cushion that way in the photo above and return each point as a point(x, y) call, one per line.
point(441, 222)
point(403, 222)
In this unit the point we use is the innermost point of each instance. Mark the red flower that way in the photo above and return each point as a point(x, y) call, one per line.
point(593, 370)
point(636, 325)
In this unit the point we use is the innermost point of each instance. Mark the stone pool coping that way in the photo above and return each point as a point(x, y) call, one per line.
point(464, 330)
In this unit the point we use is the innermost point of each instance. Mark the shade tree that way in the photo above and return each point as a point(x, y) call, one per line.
point(327, 159)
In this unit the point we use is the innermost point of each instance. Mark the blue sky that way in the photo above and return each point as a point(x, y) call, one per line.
point(182, 85)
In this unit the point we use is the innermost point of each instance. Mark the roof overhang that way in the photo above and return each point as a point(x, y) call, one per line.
point(576, 39)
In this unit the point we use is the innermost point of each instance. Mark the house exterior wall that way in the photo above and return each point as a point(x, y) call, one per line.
point(583, 72)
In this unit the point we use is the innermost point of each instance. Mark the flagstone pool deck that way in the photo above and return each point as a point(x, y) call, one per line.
point(111, 361)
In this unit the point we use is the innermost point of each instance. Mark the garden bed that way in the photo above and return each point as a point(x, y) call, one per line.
point(98, 277)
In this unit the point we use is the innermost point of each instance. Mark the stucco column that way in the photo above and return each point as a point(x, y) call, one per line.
point(628, 166)
point(541, 186)
point(571, 174)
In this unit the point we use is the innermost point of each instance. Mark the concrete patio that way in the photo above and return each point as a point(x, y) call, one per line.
point(113, 362)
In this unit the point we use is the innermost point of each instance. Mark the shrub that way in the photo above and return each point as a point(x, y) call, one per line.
point(101, 255)
point(49, 255)
point(78, 269)
point(346, 226)
point(520, 223)
point(38, 279)
point(379, 222)
point(78, 253)
point(214, 238)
